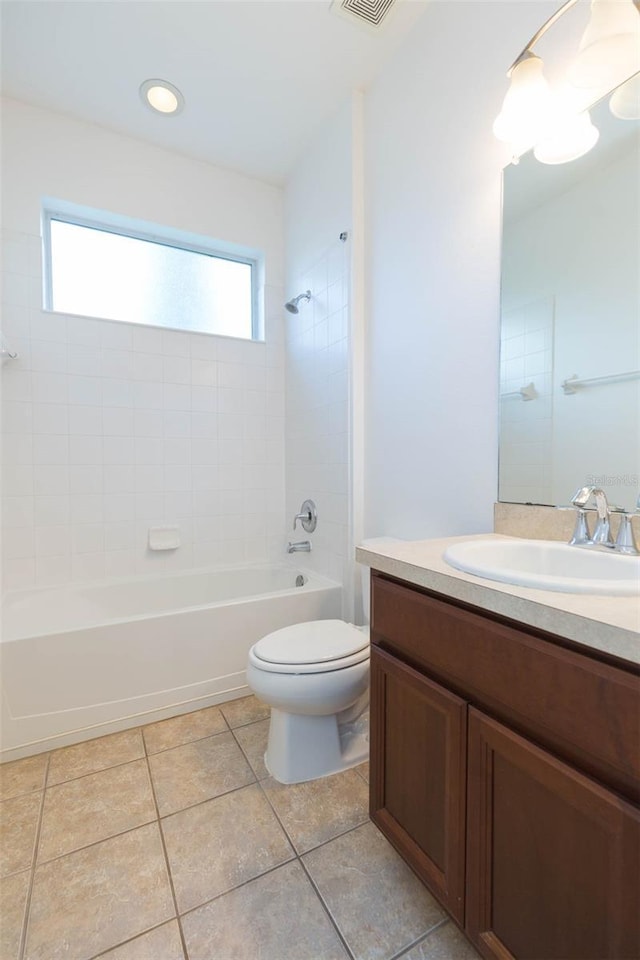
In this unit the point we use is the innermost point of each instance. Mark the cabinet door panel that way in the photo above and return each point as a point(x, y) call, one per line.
point(552, 857)
point(418, 760)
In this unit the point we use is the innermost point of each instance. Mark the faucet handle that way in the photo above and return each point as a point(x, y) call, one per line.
point(308, 516)
point(581, 534)
point(581, 496)
point(625, 541)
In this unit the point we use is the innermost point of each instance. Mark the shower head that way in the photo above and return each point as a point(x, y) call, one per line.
point(292, 305)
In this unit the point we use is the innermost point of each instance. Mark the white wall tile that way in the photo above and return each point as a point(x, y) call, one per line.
point(50, 480)
point(110, 428)
point(84, 361)
point(118, 450)
point(118, 478)
point(51, 510)
point(117, 364)
point(18, 573)
point(117, 393)
point(47, 357)
point(52, 388)
point(88, 566)
point(116, 336)
point(87, 538)
point(119, 563)
point(52, 570)
point(147, 366)
point(52, 541)
point(177, 423)
point(86, 479)
point(83, 390)
point(17, 448)
point(50, 449)
point(51, 418)
point(87, 508)
point(17, 512)
point(17, 479)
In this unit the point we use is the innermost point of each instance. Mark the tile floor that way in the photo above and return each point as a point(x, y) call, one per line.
point(171, 841)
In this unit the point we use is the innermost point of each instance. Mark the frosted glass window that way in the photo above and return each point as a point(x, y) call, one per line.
point(100, 273)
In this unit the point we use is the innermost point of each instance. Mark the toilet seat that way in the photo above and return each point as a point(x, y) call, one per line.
point(317, 646)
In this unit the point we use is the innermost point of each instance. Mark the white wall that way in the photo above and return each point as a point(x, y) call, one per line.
point(318, 207)
point(110, 427)
point(433, 214)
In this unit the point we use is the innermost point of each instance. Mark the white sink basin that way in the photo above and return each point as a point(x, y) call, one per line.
point(548, 565)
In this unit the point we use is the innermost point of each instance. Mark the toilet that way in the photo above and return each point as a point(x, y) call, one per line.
point(315, 678)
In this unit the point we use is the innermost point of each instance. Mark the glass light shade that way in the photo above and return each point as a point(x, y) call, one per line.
point(609, 51)
point(625, 101)
point(528, 107)
point(162, 99)
point(577, 136)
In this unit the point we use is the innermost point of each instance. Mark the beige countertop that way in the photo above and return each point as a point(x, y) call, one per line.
point(607, 624)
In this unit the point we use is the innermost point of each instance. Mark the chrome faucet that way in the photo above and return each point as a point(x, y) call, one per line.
point(602, 533)
point(625, 541)
point(302, 546)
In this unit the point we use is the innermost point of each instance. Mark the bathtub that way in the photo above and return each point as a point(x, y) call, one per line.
point(83, 660)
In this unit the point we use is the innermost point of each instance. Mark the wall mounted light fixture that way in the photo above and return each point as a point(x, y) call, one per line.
point(534, 115)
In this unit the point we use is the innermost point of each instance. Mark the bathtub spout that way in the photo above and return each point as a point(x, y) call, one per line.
point(302, 546)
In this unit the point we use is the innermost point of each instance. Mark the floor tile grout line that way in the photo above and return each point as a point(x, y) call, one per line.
point(166, 855)
point(325, 908)
point(155, 819)
point(91, 773)
point(60, 750)
point(423, 936)
point(122, 943)
point(294, 854)
point(290, 839)
point(244, 883)
point(299, 857)
point(176, 746)
point(294, 857)
point(244, 754)
point(94, 843)
point(94, 773)
point(32, 873)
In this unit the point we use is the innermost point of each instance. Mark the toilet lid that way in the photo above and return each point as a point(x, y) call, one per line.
point(316, 641)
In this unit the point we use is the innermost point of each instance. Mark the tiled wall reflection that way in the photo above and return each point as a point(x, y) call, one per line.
point(526, 426)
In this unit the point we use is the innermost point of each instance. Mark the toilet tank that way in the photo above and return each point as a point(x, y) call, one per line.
point(365, 573)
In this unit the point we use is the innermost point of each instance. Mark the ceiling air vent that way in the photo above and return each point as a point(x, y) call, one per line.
point(369, 13)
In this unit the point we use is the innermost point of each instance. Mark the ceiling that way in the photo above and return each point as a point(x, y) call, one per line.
point(259, 77)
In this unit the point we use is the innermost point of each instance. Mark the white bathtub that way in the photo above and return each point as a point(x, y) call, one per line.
point(83, 660)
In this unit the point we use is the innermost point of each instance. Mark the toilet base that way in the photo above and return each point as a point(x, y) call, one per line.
point(304, 747)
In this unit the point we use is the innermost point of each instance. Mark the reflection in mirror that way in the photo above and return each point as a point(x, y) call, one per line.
point(570, 311)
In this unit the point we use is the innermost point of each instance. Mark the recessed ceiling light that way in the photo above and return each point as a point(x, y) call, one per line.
point(161, 97)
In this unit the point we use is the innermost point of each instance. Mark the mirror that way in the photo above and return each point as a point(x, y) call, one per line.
point(570, 322)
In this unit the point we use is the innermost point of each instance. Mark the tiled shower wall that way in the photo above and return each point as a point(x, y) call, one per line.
point(317, 421)
point(110, 428)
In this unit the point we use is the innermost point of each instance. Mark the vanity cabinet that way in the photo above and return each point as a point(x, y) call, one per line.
point(505, 769)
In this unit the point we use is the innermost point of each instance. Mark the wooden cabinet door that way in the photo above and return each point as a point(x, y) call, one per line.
point(418, 763)
point(552, 856)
